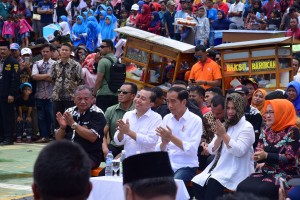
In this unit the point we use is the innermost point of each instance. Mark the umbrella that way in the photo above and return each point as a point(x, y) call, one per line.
point(48, 31)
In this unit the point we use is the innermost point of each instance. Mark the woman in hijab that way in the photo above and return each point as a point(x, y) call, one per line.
point(141, 3)
point(293, 93)
point(102, 17)
point(222, 23)
point(231, 146)
point(276, 151)
point(100, 8)
point(109, 12)
point(155, 23)
point(258, 100)
point(78, 31)
point(107, 31)
point(85, 17)
point(90, 13)
point(92, 35)
point(144, 19)
point(60, 10)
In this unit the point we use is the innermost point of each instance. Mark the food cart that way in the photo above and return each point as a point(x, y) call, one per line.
point(153, 60)
point(268, 60)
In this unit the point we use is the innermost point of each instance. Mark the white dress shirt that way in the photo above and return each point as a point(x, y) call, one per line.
point(237, 8)
point(188, 129)
point(144, 127)
point(235, 163)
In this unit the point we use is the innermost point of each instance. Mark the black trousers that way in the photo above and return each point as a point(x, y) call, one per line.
point(115, 150)
point(6, 120)
point(105, 101)
point(60, 106)
point(211, 191)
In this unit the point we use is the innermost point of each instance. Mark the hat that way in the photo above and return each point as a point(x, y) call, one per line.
point(135, 7)
point(146, 165)
point(4, 43)
point(249, 80)
point(25, 84)
point(294, 182)
point(241, 89)
point(14, 46)
point(170, 3)
point(26, 51)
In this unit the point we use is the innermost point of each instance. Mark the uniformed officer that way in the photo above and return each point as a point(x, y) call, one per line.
point(9, 83)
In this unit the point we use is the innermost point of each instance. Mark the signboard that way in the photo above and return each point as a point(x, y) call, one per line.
point(237, 67)
point(263, 65)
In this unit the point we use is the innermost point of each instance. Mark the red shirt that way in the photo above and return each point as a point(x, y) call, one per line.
point(295, 33)
point(223, 7)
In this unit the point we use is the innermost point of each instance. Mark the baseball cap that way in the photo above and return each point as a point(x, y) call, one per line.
point(170, 3)
point(26, 51)
point(14, 46)
point(135, 7)
point(241, 89)
point(25, 84)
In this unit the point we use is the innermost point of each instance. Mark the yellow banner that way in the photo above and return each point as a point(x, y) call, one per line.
point(237, 67)
point(263, 65)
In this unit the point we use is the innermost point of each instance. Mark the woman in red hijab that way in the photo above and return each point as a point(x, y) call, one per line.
point(144, 19)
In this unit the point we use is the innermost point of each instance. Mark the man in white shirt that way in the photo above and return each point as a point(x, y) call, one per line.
point(235, 13)
point(136, 131)
point(180, 135)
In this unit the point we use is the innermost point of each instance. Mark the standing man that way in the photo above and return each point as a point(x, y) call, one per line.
point(169, 17)
point(205, 72)
point(41, 74)
point(15, 52)
point(9, 83)
point(105, 97)
point(126, 95)
point(46, 10)
point(83, 124)
point(66, 76)
point(180, 135)
point(235, 13)
point(136, 131)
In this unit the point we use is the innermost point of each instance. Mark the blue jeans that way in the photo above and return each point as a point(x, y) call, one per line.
point(186, 173)
point(24, 126)
point(45, 116)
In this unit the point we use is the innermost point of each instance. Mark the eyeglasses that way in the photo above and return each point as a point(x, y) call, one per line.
point(102, 46)
point(123, 91)
point(269, 113)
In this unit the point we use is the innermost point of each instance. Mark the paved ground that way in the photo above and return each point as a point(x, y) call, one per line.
point(16, 166)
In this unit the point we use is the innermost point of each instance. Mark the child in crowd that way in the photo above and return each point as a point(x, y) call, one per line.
point(122, 21)
point(24, 105)
point(274, 22)
point(24, 31)
point(8, 31)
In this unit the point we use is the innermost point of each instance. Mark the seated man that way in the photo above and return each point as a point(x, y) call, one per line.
point(83, 124)
point(136, 131)
point(180, 135)
point(62, 171)
point(155, 181)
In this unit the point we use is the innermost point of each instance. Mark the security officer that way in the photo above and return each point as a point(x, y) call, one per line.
point(9, 82)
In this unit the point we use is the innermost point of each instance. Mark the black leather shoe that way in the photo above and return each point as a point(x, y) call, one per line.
point(7, 142)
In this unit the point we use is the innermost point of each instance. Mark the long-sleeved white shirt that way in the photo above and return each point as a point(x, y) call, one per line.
point(235, 163)
point(144, 127)
point(188, 129)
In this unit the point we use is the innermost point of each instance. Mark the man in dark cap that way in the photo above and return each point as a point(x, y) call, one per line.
point(9, 83)
point(154, 181)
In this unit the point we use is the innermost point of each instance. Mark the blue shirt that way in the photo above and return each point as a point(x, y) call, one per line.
point(46, 18)
point(212, 14)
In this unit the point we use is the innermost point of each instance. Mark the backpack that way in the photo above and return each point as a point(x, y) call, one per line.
point(117, 75)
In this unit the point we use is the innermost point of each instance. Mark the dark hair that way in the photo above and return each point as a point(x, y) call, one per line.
point(218, 100)
point(46, 46)
point(197, 88)
point(179, 82)
point(41, 40)
point(275, 95)
point(215, 90)
point(194, 101)
point(200, 48)
point(133, 86)
point(154, 187)
point(182, 93)
point(152, 96)
point(296, 18)
point(211, 54)
point(62, 170)
point(158, 91)
point(67, 45)
point(109, 43)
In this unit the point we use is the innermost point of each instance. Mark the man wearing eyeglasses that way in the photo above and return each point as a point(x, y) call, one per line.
point(126, 94)
point(104, 96)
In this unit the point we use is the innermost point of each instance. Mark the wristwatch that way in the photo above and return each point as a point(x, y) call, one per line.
point(74, 125)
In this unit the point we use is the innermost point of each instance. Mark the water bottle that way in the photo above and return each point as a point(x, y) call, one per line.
point(123, 156)
point(108, 163)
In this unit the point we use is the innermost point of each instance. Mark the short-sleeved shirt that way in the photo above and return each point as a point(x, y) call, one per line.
point(112, 115)
point(94, 120)
point(104, 66)
point(207, 71)
point(46, 18)
point(239, 7)
point(24, 104)
point(295, 34)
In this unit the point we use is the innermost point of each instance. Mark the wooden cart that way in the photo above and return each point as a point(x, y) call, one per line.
point(148, 57)
point(269, 61)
